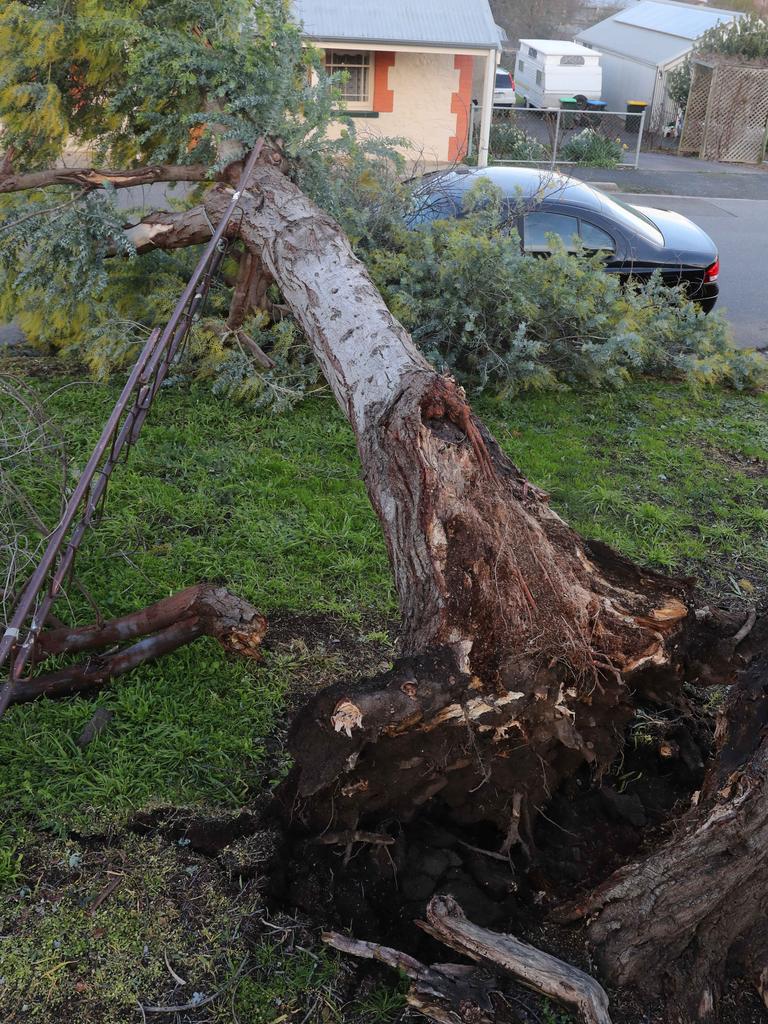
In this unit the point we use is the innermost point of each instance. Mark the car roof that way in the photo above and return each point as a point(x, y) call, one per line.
point(521, 183)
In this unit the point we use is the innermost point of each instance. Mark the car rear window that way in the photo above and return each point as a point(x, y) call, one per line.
point(631, 218)
point(503, 80)
point(595, 238)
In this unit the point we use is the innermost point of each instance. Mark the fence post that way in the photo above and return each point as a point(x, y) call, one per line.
point(557, 138)
point(640, 131)
point(471, 119)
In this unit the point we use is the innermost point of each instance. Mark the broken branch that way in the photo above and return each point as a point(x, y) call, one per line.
point(535, 969)
point(202, 610)
point(92, 178)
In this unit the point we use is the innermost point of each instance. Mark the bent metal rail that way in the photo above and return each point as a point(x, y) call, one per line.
point(120, 433)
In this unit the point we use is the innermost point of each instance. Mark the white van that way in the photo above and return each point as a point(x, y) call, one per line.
point(547, 69)
point(504, 90)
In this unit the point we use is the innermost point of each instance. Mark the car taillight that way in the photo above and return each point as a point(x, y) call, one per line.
point(511, 82)
point(712, 271)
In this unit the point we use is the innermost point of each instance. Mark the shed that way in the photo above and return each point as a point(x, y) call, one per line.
point(411, 67)
point(641, 44)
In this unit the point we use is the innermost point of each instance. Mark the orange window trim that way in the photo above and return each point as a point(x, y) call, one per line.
point(383, 96)
point(461, 101)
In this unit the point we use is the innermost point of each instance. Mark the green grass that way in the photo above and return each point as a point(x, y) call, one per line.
point(661, 473)
point(274, 507)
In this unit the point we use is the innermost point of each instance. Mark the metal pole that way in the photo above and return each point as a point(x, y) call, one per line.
point(640, 138)
point(142, 370)
point(557, 138)
point(486, 112)
point(471, 139)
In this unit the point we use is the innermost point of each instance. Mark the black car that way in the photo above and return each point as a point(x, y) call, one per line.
point(635, 240)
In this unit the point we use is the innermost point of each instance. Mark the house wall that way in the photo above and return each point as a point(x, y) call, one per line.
point(428, 96)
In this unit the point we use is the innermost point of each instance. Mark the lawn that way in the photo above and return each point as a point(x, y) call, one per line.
point(274, 507)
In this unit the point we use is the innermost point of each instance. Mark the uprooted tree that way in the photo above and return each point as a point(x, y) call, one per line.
point(526, 649)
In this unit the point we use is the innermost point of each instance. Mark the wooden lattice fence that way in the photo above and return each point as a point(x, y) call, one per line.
point(727, 113)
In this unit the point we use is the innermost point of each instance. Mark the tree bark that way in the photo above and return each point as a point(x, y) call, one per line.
point(94, 178)
point(697, 908)
point(201, 610)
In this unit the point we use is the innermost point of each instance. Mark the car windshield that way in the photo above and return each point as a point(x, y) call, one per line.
point(631, 218)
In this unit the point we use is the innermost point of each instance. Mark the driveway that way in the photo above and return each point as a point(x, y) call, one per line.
point(739, 228)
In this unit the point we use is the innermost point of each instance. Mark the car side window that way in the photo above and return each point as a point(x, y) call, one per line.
point(537, 226)
point(595, 239)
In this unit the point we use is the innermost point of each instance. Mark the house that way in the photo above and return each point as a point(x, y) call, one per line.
point(641, 44)
point(412, 67)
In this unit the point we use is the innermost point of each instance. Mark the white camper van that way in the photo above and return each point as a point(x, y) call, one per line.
point(547, 69)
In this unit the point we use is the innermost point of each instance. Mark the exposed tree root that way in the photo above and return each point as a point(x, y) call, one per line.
point(201, 610)
point(695, 910)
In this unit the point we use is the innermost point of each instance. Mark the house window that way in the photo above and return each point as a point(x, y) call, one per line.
point(539, 77)
point(356, 90)
point(533, 54)
point(573, 59)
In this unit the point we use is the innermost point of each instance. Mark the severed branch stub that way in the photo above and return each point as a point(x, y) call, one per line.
point(446, 993)
point(158, 629)
point(453, 993)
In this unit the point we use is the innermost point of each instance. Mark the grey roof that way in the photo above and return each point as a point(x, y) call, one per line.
point(654, 31)
point(467, 23)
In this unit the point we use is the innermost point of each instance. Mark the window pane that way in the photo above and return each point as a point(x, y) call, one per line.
point(594, 237)
point(573, 59)
point(357, 66)
point(502, 80)
point(521, 65)
point(539, 77)
point(539, 225)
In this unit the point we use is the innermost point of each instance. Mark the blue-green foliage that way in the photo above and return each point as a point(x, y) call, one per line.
point(135, 83)
point(504, 321)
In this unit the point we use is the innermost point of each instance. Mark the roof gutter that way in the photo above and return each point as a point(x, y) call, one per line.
point(345, 43)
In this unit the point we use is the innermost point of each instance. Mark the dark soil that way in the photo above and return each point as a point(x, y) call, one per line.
point(377, 891)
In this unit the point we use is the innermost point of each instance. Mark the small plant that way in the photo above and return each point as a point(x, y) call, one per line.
point(593, 149)
point(508, 142)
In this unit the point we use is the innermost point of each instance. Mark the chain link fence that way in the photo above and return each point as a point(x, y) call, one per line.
point(528, 135)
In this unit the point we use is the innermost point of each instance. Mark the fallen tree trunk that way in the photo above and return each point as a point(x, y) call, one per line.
point(548, 639)
point(526, 648)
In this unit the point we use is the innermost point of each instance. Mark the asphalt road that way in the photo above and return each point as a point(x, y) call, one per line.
point(739, 228)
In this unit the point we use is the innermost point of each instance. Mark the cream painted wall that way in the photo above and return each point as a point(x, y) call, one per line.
point(423, 84)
